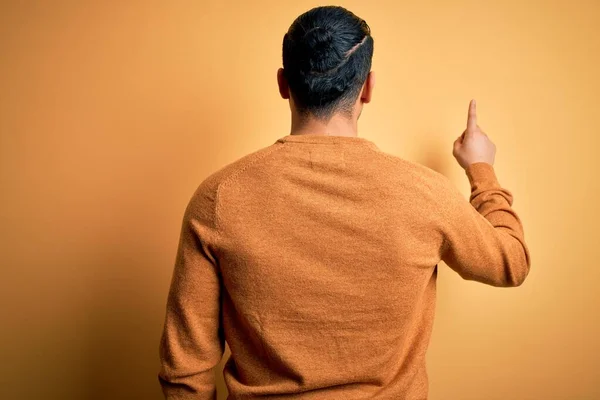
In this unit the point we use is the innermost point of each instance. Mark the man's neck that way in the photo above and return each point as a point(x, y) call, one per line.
point(338, 125)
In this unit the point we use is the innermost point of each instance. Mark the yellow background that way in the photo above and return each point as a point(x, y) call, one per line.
point(112, 112)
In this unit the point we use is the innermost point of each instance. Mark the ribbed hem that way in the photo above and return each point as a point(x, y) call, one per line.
point(482, 176)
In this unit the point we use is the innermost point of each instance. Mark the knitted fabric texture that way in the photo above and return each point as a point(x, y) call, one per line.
point(316, 259)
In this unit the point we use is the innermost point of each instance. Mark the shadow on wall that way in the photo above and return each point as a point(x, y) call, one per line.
point(123, 324)
point(435, 156)
point(123, 310)
point(221, 387)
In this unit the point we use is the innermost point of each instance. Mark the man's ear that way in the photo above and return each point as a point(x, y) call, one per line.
point(368, 86)
point(284, 89)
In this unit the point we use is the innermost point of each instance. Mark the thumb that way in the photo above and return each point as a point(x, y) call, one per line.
point(457, 144)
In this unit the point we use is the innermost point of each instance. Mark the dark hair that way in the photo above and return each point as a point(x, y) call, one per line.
point(327, 56)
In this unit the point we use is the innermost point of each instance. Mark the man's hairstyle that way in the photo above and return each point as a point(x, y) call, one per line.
point(327, 56)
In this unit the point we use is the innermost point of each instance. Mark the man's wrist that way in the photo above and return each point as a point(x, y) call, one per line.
point(481, 176)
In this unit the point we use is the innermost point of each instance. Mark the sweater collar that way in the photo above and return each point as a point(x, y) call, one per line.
point(327, 139)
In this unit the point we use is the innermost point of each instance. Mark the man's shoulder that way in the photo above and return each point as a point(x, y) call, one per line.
point(416, 171)
point(206, 190)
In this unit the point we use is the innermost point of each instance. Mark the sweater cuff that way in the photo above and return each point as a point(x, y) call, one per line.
point(482, 176)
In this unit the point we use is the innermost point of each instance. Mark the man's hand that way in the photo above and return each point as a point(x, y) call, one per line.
point(473, 145)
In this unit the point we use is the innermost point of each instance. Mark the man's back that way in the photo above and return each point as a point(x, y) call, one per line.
point(316, 259)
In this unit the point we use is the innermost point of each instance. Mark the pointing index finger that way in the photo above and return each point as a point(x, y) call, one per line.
point(472, 117)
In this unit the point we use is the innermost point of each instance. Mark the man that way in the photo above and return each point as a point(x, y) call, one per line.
point(316, 257)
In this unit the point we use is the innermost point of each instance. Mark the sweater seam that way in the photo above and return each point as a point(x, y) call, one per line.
point(234, 175)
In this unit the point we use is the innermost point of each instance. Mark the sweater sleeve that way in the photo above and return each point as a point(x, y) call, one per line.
point(483, 237)
point(192, 342)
